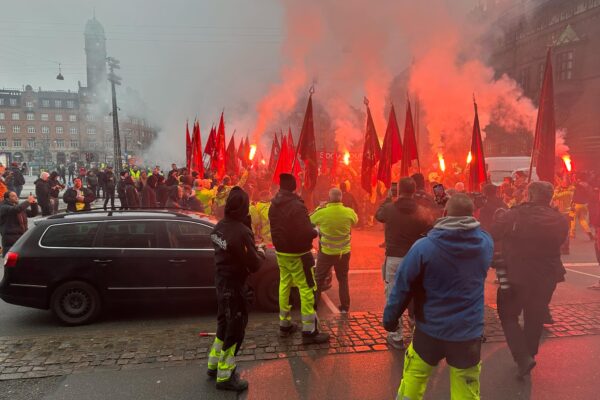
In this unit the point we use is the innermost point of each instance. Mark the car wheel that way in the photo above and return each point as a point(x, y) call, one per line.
point(75, 303)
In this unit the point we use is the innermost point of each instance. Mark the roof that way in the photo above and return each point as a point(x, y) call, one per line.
point(94, 28)
point(125, 214)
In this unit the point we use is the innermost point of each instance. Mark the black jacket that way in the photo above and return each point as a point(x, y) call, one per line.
point(486, 213)
point(110, 181)
point(70, 197)
point(55, 187)
point(405, 223)
point(42, 191)
point(132, 198)
point(291, 229)
point(13, 220)
point(19, 180)
point(531, 236)
point(235, 249)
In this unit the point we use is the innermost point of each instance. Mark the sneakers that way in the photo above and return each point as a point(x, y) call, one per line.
point(212, 373)
point(315, 338)
point(343, 310)
point(396, 344)
point(525, 366)
point(286, 332)
point(235, 384)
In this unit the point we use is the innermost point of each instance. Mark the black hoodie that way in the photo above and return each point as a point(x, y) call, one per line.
point(405, 223)
point(235, 250)
point(291, 229)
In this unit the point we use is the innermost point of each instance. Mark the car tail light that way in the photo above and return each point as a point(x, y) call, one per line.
point(10, 260)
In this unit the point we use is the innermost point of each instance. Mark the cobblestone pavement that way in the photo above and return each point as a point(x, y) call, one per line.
point(41, 356)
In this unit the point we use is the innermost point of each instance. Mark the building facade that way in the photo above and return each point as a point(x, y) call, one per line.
point(520, 35)
point(49, 128)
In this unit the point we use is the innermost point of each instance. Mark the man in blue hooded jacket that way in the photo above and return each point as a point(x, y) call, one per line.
point(444, 273)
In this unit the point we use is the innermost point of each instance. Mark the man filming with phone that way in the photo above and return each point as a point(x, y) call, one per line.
point(405, 222)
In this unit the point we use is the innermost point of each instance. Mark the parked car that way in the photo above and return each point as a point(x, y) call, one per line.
point(78, 264)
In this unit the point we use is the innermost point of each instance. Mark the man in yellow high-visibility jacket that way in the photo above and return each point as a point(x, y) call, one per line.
point(335, 222)
point(259, 212)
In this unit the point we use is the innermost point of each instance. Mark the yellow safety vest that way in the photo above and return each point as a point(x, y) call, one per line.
point(335, 224)
point(259, 213)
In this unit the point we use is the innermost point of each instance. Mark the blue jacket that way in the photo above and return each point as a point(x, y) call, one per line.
point(444, 273)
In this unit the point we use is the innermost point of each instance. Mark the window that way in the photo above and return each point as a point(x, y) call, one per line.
point(44, 117)
point(1, 102)
point(89, 117)
point(91, 130)
point(565, 66)
point(75, 143)
point(17, 143)
point(29, 104)
point(31, 129)
point(130, 234)
point(31, 143)
point(45, 103)
point(13, 102)
point(2, 115)
point(15, 116)
point(70, 104)
point(73, 131)
point(57, 103)
point(59, 130)
point(2, 129)
point(60, 143)
point(58, 117)
point(30, 117)
point(16, 129)
point(2, 142)
point(189, 235)
point(70, 235)
point(45, 129)
point(72, 118)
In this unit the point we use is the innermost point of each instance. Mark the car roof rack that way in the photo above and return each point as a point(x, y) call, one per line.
point(178, 212)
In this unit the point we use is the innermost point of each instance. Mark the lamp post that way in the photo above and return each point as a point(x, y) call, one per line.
point(115, 80)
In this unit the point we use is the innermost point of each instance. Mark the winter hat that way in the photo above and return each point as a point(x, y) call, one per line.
point(287, 182)
point(238, 204)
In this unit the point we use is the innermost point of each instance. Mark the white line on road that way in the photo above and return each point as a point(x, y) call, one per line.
point(583, 273)
point(329, 303)
point(365, 271)
point(585, 264)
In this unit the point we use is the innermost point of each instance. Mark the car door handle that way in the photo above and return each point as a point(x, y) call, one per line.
point(103, 261)
point(178, 261)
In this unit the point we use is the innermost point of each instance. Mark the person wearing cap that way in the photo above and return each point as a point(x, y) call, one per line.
point(444, 274)
point(293, 234)
point(259, 212)
point(236, 257)
point(335, 222)
point(531, 236)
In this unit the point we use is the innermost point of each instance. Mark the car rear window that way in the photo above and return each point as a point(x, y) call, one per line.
point(70, 235)
point(130, 234)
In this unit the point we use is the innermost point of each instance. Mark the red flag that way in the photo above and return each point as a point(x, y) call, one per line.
point(220, 151)
point(391, 152)
point(275, 150)
point(188, 146)
point(544, 146)
point(409, 149)
point(233, 166)
point(196, 150)
point(290, 140)
point(210, 143)
point(282, 162)
point(247, 161)
point(371, 155)
point(240, 152)
point(307, 148)
point(477, 173)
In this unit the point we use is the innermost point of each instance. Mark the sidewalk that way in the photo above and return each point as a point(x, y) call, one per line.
point(567, 369)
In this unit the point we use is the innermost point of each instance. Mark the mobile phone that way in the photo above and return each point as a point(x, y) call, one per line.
point(439, 190)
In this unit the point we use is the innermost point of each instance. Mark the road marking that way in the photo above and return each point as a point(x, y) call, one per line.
point(329, 303)
point(583, 273)
point(365, 271)
point(586, 264)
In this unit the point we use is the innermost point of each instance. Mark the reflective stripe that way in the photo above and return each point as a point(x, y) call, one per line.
point(309, 322)
point(226, 364)
point(335, 245)
point(334, 238)
point(290, 254)
point(215, 354)
point(223, 375)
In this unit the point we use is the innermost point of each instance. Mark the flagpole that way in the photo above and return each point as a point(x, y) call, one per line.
point(310, 91)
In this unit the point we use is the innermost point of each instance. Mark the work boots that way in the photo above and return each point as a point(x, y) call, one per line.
point(288, 331)
point(525, 364)
point(315, 337)
point(235, 383)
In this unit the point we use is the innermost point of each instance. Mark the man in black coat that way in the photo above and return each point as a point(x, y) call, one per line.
point(236, 257)
point(531, 236)
point(13, 218)
point(492, 204)
point(78, 198)
point(42, 192)
point(18, 179)
point(293, 234)
point(110, 183)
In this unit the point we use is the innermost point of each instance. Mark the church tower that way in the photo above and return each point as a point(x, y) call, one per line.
point(95, 52)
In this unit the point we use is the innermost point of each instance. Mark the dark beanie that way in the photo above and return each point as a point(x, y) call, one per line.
point(238, 204)
point(287, 182)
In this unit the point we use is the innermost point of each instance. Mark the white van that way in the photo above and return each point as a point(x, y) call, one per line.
point(501, 167)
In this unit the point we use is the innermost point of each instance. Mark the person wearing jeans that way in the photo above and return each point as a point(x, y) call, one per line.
point(335, 222)
point(405, 222)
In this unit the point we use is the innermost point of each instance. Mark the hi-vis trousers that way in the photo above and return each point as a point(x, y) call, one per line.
point(297, 270)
